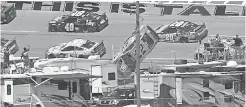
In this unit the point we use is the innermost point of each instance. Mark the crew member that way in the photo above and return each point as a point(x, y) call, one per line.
point(25, 56)
point(6, 58)
point(237, 46)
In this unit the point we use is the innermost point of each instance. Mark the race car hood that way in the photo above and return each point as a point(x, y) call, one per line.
point(92, 16)
point(59, 19)
point(160, 28)
point(5, 7)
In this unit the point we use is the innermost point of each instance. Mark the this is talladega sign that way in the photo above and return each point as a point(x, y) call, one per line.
point(186, 9)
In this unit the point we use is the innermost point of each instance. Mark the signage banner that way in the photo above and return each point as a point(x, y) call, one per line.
point(212, 8)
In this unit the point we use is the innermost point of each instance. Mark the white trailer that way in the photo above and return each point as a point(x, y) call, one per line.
point(206, 89)
point(109, 80)
point(99, 67)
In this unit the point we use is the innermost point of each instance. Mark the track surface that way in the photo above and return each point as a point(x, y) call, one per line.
point(30, 27)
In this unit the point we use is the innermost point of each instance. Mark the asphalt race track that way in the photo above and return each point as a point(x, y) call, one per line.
point(30, 27)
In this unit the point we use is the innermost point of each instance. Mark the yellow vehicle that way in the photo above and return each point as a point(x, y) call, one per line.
point(126, 58)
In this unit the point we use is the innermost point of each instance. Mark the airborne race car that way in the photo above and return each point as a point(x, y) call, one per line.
point(8, 13)
point(126, 58)
point(79, 48)
point(182, 32)
point(79, 21)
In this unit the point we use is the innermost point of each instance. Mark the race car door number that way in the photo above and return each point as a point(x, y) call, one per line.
point(169, 36)
point(90, 23)
point(69, 27)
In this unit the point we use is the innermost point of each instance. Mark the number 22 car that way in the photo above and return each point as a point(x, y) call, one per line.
point(182, 32)
point(126, 58)
point(79, 21)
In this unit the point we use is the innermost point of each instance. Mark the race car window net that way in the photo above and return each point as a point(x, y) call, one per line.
point(88, 44)
point(148, 40)
point(69, 48)
point(72, 19)
point(172, 30)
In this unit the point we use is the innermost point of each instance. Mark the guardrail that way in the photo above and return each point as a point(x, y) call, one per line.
point(154, 102)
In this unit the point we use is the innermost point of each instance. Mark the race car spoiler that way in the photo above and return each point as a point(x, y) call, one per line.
point(99, 46)
point(200, 27)
point(10, 45)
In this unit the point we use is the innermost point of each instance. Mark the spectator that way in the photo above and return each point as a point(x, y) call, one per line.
point(25, 56)
point(216, 41)
point(238, 41)
point(6, 58)
point(217, 37)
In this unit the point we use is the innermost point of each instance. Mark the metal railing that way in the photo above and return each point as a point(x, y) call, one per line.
point(226, 101)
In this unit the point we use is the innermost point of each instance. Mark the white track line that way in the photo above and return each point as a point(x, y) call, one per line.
point(15, 31)
point(166, 58)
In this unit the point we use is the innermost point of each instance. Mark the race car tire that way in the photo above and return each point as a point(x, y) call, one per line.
point(183, 39)
point(52, 29)
point(85, 29)
point(200, 56)
point(180, 61)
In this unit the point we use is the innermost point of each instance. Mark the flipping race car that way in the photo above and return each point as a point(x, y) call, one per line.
point(222, 49)
point(8, 13)
point(182, 32)
point(126, 58)
point(79, 21)
point(78, 48)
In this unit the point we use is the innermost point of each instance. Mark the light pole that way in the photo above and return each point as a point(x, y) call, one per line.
point(138, 56)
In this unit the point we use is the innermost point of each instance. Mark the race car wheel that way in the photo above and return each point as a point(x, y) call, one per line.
point(200, 56)
point(180, 61)
point(183, 39)
point(52, 29)
point(98, 29)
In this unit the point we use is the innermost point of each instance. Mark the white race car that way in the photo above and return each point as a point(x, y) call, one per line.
point(78, 48)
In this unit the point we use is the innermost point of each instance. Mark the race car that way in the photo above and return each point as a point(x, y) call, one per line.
point(78, 48)
point(8, 13)
point(79, 21)
point(10, 45)
point(182, 32)
point(126, 58)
